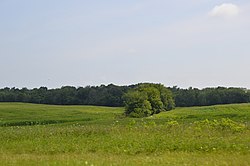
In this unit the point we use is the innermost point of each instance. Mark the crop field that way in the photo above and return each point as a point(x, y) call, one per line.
point(34, 134)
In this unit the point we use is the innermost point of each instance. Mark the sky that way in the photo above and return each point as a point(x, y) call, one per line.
point(183, 43)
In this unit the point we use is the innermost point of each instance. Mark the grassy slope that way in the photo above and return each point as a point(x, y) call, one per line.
point(22, 114)
point(237, 112)
point(77, 135)
point(13, 114)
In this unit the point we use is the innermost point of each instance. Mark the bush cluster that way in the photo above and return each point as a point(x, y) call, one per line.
point(148, 99)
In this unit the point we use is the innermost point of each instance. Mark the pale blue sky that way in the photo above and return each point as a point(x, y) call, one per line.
point(78, 42)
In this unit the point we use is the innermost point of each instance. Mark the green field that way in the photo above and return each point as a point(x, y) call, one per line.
point(32, 134)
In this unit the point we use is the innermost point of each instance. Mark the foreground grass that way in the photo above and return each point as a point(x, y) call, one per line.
point(173, 158)
point(61, 135)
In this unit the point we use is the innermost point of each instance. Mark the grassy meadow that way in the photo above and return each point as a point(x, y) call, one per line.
point(33, 134)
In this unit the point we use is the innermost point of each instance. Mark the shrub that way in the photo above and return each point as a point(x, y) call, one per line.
point(148, 99)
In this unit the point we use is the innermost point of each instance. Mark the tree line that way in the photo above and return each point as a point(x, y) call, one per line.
point(113, 95)
point(110, 95)
point(209, 96)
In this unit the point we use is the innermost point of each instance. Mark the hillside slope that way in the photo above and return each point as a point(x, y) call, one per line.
point(33, 134)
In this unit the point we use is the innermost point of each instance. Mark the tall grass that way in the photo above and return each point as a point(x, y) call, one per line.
point(191, 136)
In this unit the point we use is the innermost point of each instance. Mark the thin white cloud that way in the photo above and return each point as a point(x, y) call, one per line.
point(225, 10)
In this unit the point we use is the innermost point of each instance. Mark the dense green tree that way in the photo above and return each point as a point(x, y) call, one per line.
point(209, 96)
point(137, 104)
point(111, 95)
point(147, 99)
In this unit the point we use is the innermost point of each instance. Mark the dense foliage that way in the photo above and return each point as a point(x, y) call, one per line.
point(111, 95)
point(210, 96)
point(148, 99)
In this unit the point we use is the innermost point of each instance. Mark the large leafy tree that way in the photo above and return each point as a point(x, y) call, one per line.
point(148, 99)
